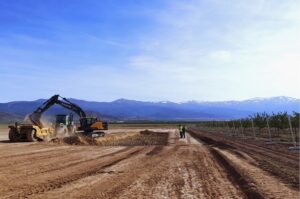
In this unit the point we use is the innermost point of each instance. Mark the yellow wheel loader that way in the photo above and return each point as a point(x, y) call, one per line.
point(28, 132)
point(36, 131)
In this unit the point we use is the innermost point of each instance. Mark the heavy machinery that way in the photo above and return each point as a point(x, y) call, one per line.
point(89, 126)
point(64, 125)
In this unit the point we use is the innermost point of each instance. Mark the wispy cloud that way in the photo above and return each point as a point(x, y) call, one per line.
point(225, 45)
point(96, 40)
point(156, 50)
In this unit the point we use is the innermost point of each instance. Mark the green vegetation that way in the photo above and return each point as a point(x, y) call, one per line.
point(260, 125)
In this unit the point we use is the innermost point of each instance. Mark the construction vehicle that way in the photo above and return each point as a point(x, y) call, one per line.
point(64, 125)
point(36, 131)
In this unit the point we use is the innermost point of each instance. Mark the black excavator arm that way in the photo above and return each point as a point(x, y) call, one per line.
point(35, 117)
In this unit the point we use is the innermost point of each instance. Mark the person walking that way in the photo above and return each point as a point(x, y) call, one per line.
point(180, 130)
point(183, 131)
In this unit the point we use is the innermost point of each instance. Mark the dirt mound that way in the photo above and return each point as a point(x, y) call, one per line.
point(142, 138)
point(73, 140)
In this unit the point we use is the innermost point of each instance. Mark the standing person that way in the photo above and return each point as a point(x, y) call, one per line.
point(183, 131)
point(180, 130)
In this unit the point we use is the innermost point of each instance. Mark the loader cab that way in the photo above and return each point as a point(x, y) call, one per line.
point(64, 119)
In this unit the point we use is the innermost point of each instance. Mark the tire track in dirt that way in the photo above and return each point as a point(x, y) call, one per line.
point(269, 150)
point(182, 184)
point(281, 167)
point(22, 161)
point(269, 153)
point(215, 179)
point(58, 183)
point(283, 170)
point(269, 186)
point(69, 165)
point(133, 170)
point(56, 164)
point(14, 145)
point(203, 175)
point(184, 168)
point(177, 176)
point(239, 168)
point(256, 150)
point(107, 183)
point(41, 151)
point(188, 139)
point(241, 143)
point(39, 178)
point(236, 177)
point(148, 172)
point(156, 150)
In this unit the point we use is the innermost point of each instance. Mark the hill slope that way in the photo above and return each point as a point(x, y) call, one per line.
point(124, 109)
point(9, 118)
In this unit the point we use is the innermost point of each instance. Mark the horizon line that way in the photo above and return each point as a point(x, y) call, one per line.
point(162, 101)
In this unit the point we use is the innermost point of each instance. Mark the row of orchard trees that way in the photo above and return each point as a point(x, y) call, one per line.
point(260, 120)
point(278, 123)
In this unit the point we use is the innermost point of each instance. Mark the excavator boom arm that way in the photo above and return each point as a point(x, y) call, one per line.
point(35, 117)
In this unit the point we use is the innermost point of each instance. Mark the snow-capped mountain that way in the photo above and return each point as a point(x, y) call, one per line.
point(124, 109)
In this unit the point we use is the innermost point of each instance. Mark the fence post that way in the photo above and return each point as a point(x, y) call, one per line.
point(241, 126)
point(291, 130)
point(271, 141)
point(234, 132)
point(269, 131)
point(253, 130)
point(228, 129)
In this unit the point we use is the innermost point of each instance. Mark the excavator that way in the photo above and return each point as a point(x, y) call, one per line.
point(36, 131)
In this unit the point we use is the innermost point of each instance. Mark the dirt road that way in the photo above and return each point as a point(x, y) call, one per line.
point(174, 168)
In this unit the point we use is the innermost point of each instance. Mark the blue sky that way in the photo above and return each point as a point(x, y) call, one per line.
point(154, 50)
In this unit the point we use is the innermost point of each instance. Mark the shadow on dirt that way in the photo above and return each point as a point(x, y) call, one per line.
point(5, 141)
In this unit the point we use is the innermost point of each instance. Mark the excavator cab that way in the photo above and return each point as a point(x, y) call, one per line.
point(87, 121)
point(92, 124)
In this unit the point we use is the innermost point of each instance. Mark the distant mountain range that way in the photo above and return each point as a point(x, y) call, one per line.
point(123, 109)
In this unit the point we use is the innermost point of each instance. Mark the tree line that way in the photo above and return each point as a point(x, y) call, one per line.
point(261, 120)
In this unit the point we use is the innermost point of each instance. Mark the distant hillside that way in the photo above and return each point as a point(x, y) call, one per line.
point(124, 109)
point(6, 118)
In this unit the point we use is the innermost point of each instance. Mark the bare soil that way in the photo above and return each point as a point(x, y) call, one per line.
point(144, 164)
